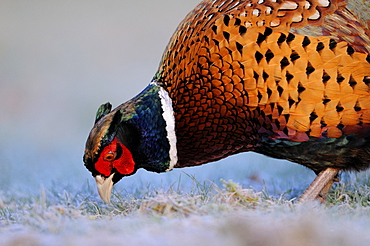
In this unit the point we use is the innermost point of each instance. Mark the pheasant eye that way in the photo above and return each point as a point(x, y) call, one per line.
point(110, 156)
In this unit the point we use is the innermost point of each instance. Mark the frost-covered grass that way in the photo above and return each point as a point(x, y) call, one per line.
point(207, 214)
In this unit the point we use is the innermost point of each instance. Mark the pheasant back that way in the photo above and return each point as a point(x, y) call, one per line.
point(242, 77)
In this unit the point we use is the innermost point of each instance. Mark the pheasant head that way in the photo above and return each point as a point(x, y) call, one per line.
point(137, 134)
point(107, 154)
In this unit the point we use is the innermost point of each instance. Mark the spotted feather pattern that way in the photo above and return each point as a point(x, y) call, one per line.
point(241, 72)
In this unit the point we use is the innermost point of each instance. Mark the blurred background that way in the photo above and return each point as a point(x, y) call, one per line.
point(59, 60)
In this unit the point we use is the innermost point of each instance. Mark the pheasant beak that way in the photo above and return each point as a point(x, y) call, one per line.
point(105, 186)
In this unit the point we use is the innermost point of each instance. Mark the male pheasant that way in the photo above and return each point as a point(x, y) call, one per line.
point(285, 78)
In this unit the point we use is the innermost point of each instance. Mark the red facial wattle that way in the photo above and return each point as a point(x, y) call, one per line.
point(115, 155)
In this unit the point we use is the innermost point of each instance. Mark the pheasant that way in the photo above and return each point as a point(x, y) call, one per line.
point(286, 79)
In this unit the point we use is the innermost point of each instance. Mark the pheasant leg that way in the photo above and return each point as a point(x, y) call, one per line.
point(325, 190)
point(320, 186)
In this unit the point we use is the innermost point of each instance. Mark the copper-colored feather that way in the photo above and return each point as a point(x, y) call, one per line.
point(238, 71)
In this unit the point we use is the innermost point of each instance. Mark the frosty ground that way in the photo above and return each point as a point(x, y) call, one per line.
point(206, 213)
